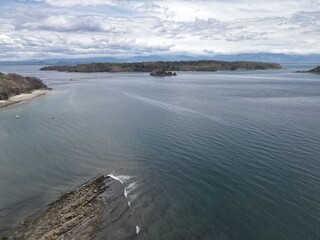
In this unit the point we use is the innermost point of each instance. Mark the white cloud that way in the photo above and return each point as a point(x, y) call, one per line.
point(110, 27)
point(62, 23)
point(72, 3)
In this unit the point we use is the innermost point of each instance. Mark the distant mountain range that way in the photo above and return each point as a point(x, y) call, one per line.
point(261, 57)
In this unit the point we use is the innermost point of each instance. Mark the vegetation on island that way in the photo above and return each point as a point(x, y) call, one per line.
point(203, 65)
point(13, 84)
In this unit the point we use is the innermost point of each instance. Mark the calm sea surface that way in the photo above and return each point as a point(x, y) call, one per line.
point(226, 155)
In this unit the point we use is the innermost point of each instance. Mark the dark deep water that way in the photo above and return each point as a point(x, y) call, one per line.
point(227, 155)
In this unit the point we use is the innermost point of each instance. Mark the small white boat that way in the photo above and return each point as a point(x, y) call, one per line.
point(17, 117)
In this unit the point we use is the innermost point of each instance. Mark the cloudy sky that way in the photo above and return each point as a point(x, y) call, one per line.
point(83, 28)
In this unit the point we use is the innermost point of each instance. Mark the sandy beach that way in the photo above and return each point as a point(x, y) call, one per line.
point(22, 98)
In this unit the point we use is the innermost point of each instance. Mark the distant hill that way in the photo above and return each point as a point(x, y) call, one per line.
point(259, 57)
point(203, 65)
point(14, 84)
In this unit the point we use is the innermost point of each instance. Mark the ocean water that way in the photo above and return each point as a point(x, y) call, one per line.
point(225, 155)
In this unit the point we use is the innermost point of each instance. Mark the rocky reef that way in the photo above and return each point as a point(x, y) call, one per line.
point(162, 73)
point(203, 65)
point(13, 84)
point(79, 214)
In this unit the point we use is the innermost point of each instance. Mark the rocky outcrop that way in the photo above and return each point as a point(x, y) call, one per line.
point(79, 214)
point(205, 65)
point(315, 70)
point(14, 84)
point(162, 73)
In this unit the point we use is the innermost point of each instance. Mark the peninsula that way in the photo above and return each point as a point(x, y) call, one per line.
point(314, 70)
point(203, 65)
point(15, 88)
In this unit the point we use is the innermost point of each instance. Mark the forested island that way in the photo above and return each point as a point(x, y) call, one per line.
point(168, 66)
point(13, 84)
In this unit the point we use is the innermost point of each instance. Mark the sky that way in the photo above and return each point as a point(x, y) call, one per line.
point(38, 29)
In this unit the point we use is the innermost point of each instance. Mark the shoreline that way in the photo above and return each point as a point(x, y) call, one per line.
point(82, 213)
point(22, 98)
point(78, 214)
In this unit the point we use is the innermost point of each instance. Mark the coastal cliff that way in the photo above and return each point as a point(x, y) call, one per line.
point(14, 84)
point(205, 65)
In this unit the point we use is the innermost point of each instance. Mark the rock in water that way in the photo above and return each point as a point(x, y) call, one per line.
point(162, 73)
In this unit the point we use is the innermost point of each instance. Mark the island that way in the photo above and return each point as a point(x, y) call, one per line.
point(15, 88)
point(165, 66)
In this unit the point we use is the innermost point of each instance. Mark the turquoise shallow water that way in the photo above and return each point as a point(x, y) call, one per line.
point(226, 155)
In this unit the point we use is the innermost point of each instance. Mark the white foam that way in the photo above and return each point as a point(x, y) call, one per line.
point(130, 188)
point(121, 178)
point(131, 198)
point(137, 229)
point(125, 193)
